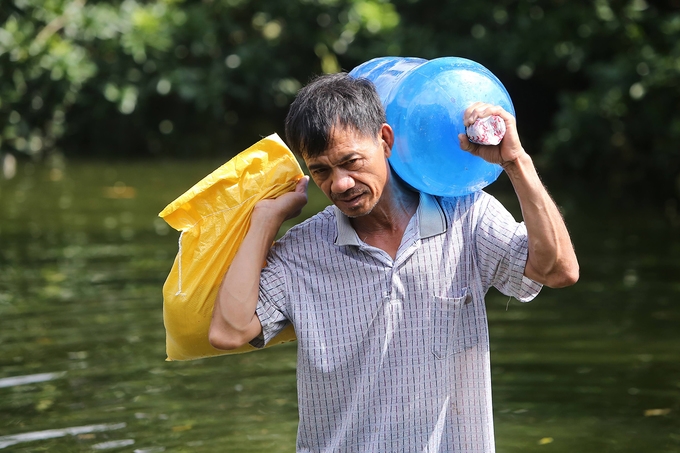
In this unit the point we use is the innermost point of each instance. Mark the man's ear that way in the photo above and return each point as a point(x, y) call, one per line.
point(387, 136)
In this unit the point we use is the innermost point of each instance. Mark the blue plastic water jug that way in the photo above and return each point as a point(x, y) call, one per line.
point(385, 72)
point(424, 101)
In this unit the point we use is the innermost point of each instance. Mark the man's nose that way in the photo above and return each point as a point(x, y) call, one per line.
point(342, 182)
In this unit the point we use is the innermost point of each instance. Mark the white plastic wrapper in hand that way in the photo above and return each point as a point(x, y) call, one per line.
point(486, 131)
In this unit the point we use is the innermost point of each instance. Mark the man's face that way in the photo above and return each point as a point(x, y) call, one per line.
point(354, 170)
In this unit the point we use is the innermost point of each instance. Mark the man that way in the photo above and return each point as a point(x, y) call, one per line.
point(386, 287)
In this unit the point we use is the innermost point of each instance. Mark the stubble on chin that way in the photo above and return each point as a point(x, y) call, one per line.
point(361, 214)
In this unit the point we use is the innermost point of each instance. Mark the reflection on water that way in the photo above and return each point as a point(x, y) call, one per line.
point(82, 260)
point(7, 441)
point(29, 379)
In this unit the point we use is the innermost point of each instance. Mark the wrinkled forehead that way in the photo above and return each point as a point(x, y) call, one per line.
point(344, 143)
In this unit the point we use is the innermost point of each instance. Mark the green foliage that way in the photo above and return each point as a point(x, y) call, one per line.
point(53, 51)
point(166, 76)
point(594, 84)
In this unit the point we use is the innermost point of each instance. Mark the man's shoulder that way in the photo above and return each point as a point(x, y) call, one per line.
point(322, 219)
point(464, 205)
point(320, 226)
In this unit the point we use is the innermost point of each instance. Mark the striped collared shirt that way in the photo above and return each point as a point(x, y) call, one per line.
point(393, 354)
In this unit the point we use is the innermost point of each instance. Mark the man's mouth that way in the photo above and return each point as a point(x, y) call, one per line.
point(348, 198)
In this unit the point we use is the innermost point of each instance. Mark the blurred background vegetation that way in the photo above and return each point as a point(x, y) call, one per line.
point(109, 109)
point(595, 84)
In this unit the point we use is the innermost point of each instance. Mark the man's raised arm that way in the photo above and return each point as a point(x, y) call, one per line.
point(234, 322)
point(551, 260)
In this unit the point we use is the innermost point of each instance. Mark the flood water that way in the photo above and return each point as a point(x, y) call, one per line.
point(83, 256)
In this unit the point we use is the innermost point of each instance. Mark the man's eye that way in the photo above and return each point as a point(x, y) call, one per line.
point(352, 163)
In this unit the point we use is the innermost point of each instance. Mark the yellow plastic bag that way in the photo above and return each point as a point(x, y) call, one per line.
point(214, 217)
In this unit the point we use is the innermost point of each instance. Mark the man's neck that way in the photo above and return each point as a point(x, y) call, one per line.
point(384, 227)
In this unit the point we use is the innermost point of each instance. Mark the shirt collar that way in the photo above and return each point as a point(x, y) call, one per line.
point(431, 220)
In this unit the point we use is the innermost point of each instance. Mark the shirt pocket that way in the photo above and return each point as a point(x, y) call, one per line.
point(445, 322)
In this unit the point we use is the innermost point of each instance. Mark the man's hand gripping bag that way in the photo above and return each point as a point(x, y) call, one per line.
point(214, 217)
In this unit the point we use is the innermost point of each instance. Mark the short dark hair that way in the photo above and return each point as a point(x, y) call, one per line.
point(328, 101)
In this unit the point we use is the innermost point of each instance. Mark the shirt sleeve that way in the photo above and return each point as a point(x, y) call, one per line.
point(502, 249)
point(271, 305)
